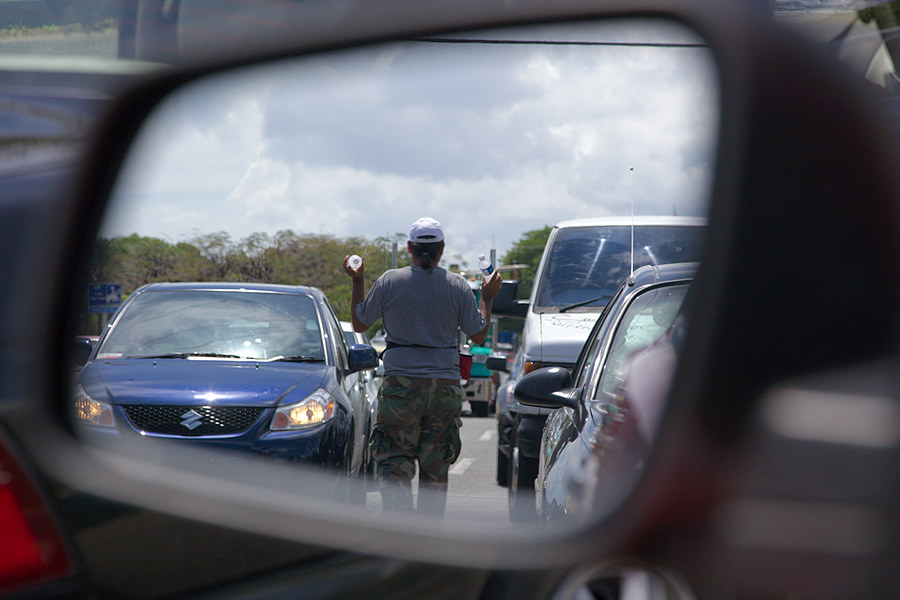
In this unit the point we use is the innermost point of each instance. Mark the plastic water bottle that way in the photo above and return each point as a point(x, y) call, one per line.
point(487, 269)
point(355, 261)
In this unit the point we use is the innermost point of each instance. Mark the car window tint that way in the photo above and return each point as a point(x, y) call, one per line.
point(587, 359)
point(243, 324)
point(583, 374)
point(648, 316)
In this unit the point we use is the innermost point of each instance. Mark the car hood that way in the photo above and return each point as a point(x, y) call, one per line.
point(563, 335)
point(201, 382)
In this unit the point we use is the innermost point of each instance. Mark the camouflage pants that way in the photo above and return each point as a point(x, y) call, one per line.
point(418, 423)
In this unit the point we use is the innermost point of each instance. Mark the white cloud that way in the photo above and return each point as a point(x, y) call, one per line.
point(262, 189)
point(491, 140)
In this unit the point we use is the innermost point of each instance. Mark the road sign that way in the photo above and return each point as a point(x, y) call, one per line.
point(104, 297)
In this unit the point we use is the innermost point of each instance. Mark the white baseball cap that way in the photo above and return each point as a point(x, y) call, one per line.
point(426, 231)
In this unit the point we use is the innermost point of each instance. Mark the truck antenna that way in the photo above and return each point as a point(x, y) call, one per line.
point(631, 194)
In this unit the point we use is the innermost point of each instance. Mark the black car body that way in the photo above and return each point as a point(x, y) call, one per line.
point(588, 411)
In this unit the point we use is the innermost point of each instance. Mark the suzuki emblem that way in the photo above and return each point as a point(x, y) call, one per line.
point(192, 419)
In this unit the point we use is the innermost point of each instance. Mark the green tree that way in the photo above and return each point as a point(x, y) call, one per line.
point(287, 258)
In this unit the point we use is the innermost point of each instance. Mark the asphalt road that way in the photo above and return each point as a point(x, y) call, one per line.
point(473, 493)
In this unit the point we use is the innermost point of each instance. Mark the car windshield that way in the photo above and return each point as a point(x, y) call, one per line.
point(589, 263)
point(210, 323)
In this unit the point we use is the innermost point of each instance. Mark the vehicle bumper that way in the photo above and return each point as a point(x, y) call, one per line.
point(320, 445)
point(478, 389)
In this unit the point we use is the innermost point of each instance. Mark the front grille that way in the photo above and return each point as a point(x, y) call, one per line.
point(192, 421)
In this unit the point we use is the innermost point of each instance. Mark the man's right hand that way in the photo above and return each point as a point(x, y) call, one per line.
point(491, 287)
point(355, 274)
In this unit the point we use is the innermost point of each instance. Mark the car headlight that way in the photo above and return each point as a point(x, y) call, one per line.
point(316, 409)
point(89, 411)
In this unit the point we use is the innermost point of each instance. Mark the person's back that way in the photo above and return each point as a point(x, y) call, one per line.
point(422, 312)
point(423, 307)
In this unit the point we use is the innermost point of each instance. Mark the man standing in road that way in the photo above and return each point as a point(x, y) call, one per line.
point(423, 308)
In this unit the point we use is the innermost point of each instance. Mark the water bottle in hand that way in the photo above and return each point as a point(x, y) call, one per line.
point(487, 269)
point(355, 262)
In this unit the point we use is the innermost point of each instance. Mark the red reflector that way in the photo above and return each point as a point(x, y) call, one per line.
point(18, 548)
point(31, 549)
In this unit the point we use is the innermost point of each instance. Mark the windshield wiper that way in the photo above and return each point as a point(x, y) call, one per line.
point(297, 358)
point(584, 302)
point(188, 355)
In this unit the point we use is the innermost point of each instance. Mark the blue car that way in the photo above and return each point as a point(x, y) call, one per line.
point(255, 368)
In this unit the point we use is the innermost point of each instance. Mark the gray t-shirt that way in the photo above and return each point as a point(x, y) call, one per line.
point(423, 309)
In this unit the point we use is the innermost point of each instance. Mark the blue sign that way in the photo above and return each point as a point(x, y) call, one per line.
point(104, 297)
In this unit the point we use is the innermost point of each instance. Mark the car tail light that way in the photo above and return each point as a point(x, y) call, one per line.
point(31, 547)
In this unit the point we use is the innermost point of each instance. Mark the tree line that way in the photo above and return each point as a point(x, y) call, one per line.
point(286, 258)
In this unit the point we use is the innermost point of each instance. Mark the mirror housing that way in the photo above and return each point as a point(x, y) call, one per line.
point(545, 387)
point(505, 303)
point(698, 424)
point(362, 358)
point(496, 362)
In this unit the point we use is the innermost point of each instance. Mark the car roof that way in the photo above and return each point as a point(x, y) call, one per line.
point(638, 220)
point(230, 286)
point(651, 274)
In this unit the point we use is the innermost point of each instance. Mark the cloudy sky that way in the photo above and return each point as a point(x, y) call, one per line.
point(490, 139)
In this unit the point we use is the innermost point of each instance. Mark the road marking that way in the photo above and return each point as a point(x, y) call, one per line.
point(460, 467)
point(487, 435)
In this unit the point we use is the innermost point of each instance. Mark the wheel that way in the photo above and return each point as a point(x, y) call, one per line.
point(479, 408)
point(502, 468)
point(520, 491)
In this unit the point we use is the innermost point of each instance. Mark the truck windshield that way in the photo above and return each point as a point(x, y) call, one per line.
point(585, 263)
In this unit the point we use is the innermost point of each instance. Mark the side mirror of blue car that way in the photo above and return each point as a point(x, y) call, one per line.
point(362, 358)
point(546, 388)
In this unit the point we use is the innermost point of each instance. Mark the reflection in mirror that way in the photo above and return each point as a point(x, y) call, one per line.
point(257, 183)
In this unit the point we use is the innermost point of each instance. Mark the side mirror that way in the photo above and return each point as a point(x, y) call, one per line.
point(505, 303)
point(81, 352)
point(546, 388)
point(362, 358)
point(497, 362)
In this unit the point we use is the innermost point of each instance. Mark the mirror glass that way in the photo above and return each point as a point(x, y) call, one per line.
point(272, 174)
